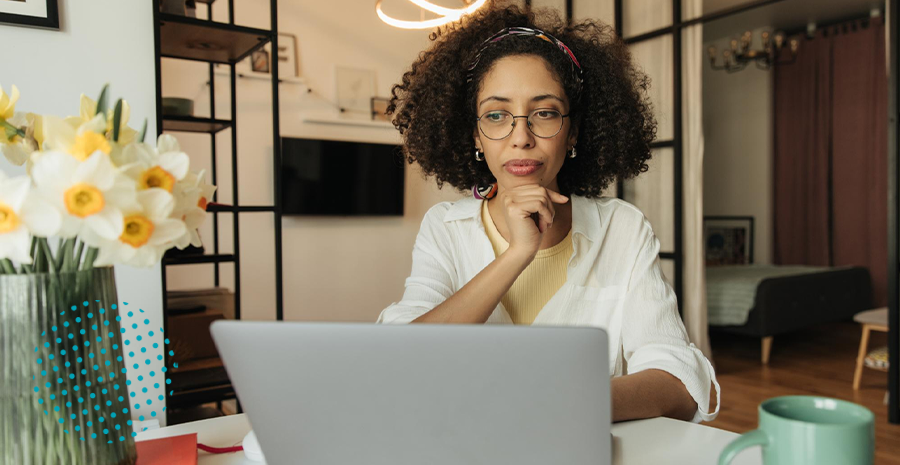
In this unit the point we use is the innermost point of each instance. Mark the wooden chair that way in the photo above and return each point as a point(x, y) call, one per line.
point(871, 320)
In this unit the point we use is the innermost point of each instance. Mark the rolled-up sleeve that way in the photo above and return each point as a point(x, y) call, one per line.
point(431, 280)
point(653, 335)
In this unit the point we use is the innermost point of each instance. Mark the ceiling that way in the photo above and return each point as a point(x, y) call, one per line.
point(783, 15)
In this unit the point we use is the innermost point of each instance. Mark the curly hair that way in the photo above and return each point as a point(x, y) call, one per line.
point(434, 108)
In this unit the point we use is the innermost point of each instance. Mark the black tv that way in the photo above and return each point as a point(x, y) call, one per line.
point(340, 178)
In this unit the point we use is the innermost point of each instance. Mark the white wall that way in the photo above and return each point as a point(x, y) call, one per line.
point(737, 125)
point(338, 269)
point(100, 41)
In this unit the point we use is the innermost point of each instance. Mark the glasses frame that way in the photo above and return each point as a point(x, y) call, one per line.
point(528, 123)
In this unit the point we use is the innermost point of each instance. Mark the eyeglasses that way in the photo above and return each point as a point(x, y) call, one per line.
point(499, 124)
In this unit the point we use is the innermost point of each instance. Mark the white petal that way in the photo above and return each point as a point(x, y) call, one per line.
point(14, 191)
point(16, 245)
point(70, 226)
point(97, 171)
point(96, 124)
point(142, 257)
point(157, 203)
point(176, 163)
point(58, 134)
point(195, 238)
point(194, 218)
point(167, 143)
point(53, 170)
point(91, 238)
point(108, 223)
point(107, 253)
point(17, 154)
point(40, 217)
point(166, 231)
point(123, 195)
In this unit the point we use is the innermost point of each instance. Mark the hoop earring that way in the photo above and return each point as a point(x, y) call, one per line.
point(477, 157)
point(572, 155)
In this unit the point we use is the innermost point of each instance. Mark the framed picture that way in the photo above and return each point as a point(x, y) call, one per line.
point(728, 240)
point(36, 13)
point(288, 64)
point(355, 89)
point(379, 108)
point(259, 61)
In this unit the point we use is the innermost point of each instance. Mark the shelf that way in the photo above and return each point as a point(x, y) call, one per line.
point(263, 76)
point(219, 208)
point(349, 122)
point(194, 124)
point(195, 259)
point(208, 41)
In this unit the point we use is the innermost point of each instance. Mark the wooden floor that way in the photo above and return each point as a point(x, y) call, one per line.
point(813, 362)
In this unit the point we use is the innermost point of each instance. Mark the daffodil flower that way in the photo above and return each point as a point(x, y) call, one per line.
point(191, 198)
point(80, 141)
point(17, 139)
point(148, 233)
point(21, 215)
point(88, 111)
point(90, 195)
point(8, 103)
point(159, 168)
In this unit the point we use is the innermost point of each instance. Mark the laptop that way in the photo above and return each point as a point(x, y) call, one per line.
point(337, 393)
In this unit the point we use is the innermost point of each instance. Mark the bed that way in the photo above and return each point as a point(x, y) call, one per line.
point(769, 300)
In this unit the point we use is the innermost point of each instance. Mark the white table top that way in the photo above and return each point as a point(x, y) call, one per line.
point(659, 440)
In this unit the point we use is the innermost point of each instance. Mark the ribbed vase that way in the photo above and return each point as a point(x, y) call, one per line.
point(61, 371)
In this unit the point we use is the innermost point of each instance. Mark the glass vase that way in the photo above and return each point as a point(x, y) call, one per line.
point(63, 393)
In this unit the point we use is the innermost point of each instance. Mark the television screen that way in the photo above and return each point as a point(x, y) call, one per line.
point(324, 177)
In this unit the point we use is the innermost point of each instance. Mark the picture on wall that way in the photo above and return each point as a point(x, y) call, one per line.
point(288, 64)
point(35, 13)
point(259, 61)
point(379, 108)
point(728, 240)
point(355, 89)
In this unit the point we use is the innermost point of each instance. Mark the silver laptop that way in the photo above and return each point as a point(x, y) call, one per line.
point(330, 393)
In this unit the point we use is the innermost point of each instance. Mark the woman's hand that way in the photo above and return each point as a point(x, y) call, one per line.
point(529, 213)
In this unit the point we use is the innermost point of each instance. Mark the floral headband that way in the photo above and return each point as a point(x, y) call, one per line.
point(527, 31)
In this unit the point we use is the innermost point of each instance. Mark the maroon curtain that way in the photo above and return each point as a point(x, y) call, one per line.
point(831, 152)
point(802, 133)
point(859, 151)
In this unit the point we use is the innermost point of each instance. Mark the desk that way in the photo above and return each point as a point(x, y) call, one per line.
point(655, 441)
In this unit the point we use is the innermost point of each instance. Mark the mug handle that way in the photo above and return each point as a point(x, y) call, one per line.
point(756, 437)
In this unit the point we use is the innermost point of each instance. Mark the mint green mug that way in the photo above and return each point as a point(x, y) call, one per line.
point(809, 430)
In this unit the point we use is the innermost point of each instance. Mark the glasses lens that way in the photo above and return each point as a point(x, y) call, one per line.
point(545, 123)
point(496, 124)
point(499, 124)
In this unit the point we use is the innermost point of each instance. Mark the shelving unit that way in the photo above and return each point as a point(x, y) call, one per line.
point(203, 381)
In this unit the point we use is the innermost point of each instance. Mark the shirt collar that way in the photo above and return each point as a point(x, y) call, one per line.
point(585, 214)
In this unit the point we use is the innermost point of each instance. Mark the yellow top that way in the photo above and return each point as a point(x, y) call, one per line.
point(541, 279)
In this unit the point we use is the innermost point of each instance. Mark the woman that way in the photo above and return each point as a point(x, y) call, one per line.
point(540, 118)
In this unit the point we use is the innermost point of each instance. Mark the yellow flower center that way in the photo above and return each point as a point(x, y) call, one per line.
point(202, 203)
point(9, 221)
point(83, 200)
point(88, 143)
point(157, 177)
point(137, 230)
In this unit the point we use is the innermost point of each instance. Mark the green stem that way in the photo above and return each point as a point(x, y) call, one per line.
point(8, 267)
point(39, 259)
point(66, 252)
point(51, 263)
point(89, 259)
point(27, 269)
point(77, 262)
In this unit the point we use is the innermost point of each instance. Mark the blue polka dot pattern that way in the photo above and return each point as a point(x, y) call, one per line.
point(102, 401)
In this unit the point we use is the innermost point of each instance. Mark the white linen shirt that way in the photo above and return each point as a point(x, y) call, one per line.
point(614, 282)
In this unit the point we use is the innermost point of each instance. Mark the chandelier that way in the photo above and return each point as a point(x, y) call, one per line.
point(447, 15)
point(740, 54)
